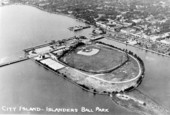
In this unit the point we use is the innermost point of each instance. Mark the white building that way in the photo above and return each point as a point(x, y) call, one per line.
point(52, 64)
point(136, 20)
point(154, 38)
point(101, 24)
point(165, 42)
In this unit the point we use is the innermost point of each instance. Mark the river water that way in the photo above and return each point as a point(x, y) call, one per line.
point(29, 85)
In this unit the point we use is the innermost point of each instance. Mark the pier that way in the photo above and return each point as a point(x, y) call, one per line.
point(78, 28)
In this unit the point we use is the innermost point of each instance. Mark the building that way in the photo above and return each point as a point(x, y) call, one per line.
point(97, 37)
point(166, 41)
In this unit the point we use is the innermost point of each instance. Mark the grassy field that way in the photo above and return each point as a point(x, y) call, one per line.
point(125, 72)
point(96, 58)
point(106, 59)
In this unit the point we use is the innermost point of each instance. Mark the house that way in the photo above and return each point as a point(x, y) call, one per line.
point(136, 20)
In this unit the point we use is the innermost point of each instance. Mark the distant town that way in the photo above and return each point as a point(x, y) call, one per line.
point(144, 24)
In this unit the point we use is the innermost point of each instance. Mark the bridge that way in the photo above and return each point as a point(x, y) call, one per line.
point(19, 59)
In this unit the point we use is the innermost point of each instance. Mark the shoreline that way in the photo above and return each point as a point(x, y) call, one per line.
point(93, 91)
point(73, 17)
point(62, 76)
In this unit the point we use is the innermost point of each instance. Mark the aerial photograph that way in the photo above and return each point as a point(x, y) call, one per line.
point(85, 57)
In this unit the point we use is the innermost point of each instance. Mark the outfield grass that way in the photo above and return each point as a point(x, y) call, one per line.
point(106, 59)
point(126, 72)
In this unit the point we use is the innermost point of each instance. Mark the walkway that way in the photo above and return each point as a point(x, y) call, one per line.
point(20, 59)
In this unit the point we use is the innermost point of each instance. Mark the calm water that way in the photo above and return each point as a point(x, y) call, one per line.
point(28, 84)
point(24, 26)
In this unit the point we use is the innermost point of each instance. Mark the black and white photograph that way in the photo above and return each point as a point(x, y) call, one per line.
point(85, 57)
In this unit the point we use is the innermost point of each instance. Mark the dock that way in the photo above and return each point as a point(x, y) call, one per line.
point(78, 28)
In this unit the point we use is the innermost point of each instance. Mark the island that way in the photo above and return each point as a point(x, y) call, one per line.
point(91, 64)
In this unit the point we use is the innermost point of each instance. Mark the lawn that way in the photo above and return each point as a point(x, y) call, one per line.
point(106, 58)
